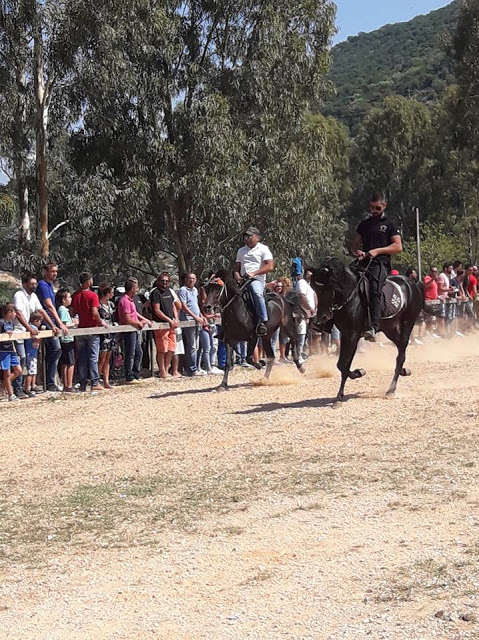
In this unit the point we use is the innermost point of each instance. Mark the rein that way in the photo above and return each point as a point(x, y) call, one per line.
point(362, 276)
point(224, 289)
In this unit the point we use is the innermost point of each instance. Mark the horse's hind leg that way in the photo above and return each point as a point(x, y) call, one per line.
point(400, 337)
point(349, 342)
point(249, 355)
point(228, 366)
point(291, 330)
point(269, 354)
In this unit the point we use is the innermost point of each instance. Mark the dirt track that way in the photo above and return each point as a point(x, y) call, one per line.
point(167, 511)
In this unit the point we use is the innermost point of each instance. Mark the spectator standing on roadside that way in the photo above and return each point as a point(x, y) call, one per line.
point(127, 314)
point(435, 306)
point(190, 310)
point(444, 292)
point(9, 360)
point(107, 342)
point(163, 309)
point(307, 290)
point(26, 303)
point(67, 359)
point(297, 266)
point(46, 295)
point(470, 292)
point(85, 303)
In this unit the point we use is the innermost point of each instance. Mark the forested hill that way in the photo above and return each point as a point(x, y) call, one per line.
point(407, 58)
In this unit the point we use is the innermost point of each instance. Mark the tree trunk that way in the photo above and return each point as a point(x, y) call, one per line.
point(24, 230)
point(174, 216)
point(20, 158)
point(42, 101)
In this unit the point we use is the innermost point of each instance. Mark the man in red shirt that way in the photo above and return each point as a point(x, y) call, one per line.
point(85, 304)
point(436, 308)
point(470, 291)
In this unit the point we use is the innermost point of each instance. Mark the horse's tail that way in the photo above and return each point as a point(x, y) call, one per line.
point(298, 303)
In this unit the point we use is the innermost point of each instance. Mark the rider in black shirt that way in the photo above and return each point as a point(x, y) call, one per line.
point(376, 237)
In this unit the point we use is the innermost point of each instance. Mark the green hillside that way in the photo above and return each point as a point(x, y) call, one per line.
point(407, 58)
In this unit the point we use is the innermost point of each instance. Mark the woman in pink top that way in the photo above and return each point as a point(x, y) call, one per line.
point(127, 314)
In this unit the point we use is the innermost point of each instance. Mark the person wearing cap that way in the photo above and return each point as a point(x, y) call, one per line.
point(253, 262)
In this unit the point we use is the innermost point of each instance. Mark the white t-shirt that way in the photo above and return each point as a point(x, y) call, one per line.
point(26, 304)
point(253, 259)
point(307, 290)
point(442, 286)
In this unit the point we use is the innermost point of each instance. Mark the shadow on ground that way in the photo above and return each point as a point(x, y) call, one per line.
point(174, 394)
point(315, 403)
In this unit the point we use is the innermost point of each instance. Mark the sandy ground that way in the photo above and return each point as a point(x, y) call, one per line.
point(168, 510)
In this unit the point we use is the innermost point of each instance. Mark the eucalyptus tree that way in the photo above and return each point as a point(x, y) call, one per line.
point(191, 122)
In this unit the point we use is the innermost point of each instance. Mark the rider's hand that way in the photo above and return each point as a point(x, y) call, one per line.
point(360, 255)
point(373, 253)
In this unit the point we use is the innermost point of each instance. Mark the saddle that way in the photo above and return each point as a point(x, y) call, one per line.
point(248, 300)
point(393, 298)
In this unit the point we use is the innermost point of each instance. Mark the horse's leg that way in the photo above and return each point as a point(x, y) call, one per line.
point(252, 342)
point(400, 337)
point(349, 342)
point(228, 365)
point(291, 330)
point(269, 354)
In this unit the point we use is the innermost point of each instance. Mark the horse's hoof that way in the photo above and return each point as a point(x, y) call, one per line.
point(390, 393)
point(406, 372)
point(223, 388)
point(302, 370)
point(357, 373)
point(262, 363)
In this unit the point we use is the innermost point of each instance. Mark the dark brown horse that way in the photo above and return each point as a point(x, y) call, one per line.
point(239, 324)
point(340, 301)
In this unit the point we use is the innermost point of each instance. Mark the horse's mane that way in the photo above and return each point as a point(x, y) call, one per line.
point(227, 276)
point(337, 273)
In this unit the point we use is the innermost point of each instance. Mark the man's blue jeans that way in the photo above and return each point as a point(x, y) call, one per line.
point(53, 353)
point(132, 355)
point(257, 289)
point(88, 348)
point(190, 340)
point(18, 382)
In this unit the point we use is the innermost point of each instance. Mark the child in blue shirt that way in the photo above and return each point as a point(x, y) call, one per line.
point(31, 352)
point(9, 360)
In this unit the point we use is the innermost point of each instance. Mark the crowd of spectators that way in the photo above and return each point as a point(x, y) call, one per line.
point(84, 362)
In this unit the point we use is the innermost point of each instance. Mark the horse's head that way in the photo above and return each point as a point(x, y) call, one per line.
point(215, 290)
point(325, 280)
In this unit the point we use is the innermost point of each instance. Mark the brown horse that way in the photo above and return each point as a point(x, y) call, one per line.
point(224, 294)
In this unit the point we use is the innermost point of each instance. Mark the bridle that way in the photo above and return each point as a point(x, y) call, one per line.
point(224, 289)
point(337, 307)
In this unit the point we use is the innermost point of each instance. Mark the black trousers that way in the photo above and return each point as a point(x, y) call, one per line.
point(377, 274)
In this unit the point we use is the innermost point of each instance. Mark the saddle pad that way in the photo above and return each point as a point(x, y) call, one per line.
point(393, 300)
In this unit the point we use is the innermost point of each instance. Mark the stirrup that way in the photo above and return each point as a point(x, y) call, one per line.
point(261, 329)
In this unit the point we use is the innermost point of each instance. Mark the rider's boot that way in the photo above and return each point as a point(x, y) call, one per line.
point(261, 329)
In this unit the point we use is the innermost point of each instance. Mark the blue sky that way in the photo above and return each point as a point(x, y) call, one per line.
point(366, 15)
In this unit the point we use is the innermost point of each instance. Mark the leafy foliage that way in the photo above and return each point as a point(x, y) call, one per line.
point(407, 59)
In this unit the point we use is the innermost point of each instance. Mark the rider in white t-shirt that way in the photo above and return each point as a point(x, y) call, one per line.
point(254, 261)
